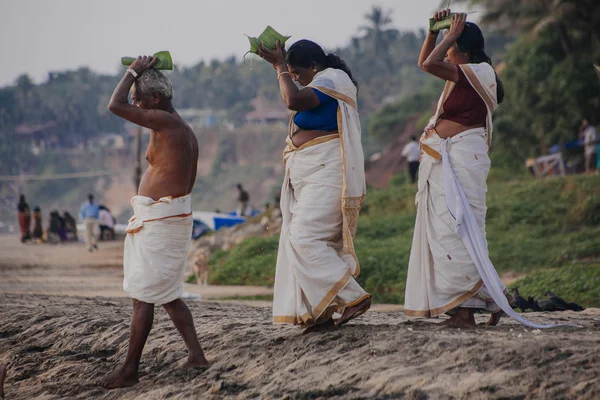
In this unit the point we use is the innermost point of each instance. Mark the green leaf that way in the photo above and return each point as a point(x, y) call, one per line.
point(269, 37)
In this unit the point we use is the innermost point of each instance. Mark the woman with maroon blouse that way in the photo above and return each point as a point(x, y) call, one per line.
point(449, 270)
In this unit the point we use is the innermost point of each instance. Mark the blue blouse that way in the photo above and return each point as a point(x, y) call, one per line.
point(321, 118)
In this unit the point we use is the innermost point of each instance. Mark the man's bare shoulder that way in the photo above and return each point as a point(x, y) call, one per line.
point(177, 128)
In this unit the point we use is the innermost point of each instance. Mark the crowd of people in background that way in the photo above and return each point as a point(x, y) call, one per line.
point(62, 228)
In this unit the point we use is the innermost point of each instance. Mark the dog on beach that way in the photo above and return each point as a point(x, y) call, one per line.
point(201, 267)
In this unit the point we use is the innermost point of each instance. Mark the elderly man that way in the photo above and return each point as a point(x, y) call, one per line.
point(159, 233)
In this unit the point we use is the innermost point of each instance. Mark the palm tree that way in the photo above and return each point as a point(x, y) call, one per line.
point(379, 33)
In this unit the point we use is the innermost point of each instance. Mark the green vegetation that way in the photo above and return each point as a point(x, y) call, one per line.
point(547, 229)
point(250, 263)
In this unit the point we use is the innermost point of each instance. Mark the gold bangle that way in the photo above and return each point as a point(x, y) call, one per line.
point(282, 73)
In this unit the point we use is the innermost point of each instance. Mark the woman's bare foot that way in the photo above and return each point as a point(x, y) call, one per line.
point(354, 312)
point(196, 362)
point(495, 318)
point(2, 377)
point(120, 378)
point(327, 326)
point(463, 318)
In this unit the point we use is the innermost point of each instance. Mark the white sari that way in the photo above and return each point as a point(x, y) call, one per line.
point(449, 264)
point(322, 193)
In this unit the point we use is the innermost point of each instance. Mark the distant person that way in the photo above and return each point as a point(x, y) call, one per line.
point(70, 226)
point(38, 230)
point(412, 153)
point(62, 232)
point(323, 191)
point(24, 213)
point(54, 227)
point(590, 143)
point(243, 199)
point(160, 232)
point(107, 224)
point(89, 214)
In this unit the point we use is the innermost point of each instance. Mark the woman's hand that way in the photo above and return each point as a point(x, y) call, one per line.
point(440, 15)
point(275, 58)
point(457, 27)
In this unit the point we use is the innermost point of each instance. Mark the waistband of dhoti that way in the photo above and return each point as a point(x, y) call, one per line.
point(430, 135)
point(147, 209)
point(291, 147)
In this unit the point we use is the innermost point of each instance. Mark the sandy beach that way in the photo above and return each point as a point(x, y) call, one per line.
point(74, 330)
point(70, 270)
point(56, 347)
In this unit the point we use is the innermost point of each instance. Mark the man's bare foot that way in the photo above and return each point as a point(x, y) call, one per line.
point(327, 326)
point(2, 377)
point(196, 362)
point(463, 318)
point(119, 378)
point(495, 318)
point(354, 312)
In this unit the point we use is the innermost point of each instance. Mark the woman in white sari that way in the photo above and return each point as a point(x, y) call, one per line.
point(442, 275)
point(449, 268)
point(323, 191)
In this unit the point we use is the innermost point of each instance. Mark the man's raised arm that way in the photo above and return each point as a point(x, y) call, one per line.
point(152, 118)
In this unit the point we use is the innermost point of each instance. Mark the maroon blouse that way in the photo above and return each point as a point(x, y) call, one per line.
point(464, 105)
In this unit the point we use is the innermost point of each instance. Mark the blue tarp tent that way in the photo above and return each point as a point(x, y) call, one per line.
point(215, 221)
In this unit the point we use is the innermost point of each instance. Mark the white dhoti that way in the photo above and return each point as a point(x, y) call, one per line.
point(314, 277)
point(156, 247)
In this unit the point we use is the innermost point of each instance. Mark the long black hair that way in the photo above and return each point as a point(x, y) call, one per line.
point(471, 41)
point(305, 53)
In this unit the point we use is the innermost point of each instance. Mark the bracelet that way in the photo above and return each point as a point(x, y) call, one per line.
point(282, 73)
point(133, 73)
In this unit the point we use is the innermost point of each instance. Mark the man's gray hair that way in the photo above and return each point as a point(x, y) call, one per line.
point(154, 81)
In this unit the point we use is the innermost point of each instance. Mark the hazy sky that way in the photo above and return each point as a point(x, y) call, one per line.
point(38, 36)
